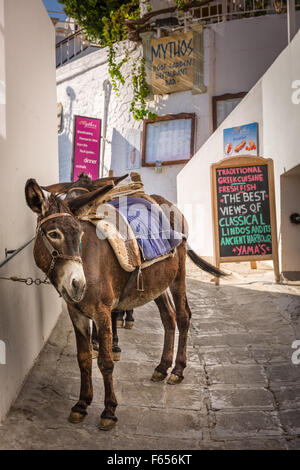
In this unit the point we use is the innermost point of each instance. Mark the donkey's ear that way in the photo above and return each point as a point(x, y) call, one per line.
point(35, 197)
point(58, 187)
point(79, 204)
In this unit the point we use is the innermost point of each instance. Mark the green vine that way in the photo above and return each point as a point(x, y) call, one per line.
point(104, 22)
point(138, 106)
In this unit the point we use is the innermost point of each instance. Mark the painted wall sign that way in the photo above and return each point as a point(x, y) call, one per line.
point(86, 147)
point(244, 214)
point(172, 63)
point(241, 140)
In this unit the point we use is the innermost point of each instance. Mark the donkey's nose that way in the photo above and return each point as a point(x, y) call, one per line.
point(78, 288)
point(75, 284)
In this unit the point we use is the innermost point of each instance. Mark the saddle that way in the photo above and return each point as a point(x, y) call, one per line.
point(133, 251)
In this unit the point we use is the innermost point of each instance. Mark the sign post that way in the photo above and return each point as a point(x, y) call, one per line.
point(244, 214)
point(86, 147)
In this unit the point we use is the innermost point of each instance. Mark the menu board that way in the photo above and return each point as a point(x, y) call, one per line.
point(244, 210)
point(86, 147)
point(169, 140)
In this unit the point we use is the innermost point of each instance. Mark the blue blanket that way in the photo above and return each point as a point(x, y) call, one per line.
point(150, 226)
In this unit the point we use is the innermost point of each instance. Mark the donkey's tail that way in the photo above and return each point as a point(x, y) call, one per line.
point(202, 264)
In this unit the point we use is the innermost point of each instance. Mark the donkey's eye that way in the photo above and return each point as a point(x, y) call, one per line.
point(54, 235)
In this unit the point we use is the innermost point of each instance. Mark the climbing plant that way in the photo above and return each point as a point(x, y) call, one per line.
point(109, 22)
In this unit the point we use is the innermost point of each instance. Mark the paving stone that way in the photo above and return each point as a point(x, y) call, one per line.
point(251, 399)
point(246, 424)
point(174, 424)
point(290, 420)
point(240, 390)
point(288, 397)
point(239, 374)
point(257, 444)
point(221, 355)
point(283, 374)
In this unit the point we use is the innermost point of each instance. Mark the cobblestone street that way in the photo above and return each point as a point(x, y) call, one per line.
point(241, 390)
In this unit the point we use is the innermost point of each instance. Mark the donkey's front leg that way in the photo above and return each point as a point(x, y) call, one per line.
point(106, 366)
point(81, 326)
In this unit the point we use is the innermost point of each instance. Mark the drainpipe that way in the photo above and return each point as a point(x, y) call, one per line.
point(107, 91)
point(291, 19)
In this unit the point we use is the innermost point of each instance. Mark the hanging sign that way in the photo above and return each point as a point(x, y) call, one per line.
point(244, 217)
point(86, 147)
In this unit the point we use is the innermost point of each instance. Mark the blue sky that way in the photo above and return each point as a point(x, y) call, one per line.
point(54, 6)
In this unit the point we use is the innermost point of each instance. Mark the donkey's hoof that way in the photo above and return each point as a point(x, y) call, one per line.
point(76, 417)
point(174, 379)
point(107, 424)
point(158, 376)
point(119, 323)
point(116, 356)
point(129, 324)
point(94, 354)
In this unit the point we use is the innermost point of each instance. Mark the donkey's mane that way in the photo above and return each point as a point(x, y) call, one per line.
point(56, 204)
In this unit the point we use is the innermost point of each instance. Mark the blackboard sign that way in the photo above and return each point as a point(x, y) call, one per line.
point(244, 210)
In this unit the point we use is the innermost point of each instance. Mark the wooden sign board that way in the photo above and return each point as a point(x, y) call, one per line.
point(172, 63)
point(244, 215)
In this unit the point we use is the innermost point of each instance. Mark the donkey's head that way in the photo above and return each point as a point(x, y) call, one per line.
point(57, 249)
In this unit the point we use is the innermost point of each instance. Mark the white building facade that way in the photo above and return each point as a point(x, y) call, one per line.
point(28, 149)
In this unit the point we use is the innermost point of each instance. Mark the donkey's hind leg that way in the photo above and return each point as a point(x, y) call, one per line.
point(115, 347)
point(167, 315)
point(183, 316)
point(81, 326)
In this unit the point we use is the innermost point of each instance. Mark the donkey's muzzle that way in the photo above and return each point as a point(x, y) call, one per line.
point(77, 289)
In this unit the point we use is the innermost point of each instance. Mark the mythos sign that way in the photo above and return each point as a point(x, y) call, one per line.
point(173, 61)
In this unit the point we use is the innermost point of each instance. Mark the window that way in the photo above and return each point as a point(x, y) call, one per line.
point(223, 105)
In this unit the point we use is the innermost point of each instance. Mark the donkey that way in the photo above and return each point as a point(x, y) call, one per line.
point(86, 273)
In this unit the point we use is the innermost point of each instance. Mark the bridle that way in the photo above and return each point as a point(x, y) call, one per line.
point(54, 253)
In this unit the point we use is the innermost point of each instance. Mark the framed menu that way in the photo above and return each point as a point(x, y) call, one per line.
point(169, 140)
point(86, 147)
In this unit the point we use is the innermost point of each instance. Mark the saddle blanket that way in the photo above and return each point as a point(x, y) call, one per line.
point(150, 226)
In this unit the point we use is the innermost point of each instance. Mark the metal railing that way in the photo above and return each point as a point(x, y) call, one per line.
point(71, 46)
point(226, 10)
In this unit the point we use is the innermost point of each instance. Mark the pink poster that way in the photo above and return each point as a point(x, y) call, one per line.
point(86, 149)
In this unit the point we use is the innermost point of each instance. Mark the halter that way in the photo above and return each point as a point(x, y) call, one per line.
point(54, 253)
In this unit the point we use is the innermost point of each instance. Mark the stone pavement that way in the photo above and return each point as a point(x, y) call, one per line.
point(241, 390)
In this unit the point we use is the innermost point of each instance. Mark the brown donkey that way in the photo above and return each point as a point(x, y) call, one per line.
point(86, 273)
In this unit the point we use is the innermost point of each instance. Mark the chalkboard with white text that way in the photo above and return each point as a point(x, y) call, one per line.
point(243, 211)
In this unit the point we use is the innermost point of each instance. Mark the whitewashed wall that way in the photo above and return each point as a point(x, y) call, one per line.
point(270, 104)
point(28, 148)
point(236, 54)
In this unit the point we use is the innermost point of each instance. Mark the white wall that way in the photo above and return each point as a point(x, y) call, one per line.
point(270, 104)
point(28, 148)
point(236, 54)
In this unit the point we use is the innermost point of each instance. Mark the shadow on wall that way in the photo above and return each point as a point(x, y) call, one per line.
point(65, 139)
point(118, 153)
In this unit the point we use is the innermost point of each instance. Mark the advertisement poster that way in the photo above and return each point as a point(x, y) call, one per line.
point(241, 140)
point(86, 147)
point(133, 149)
